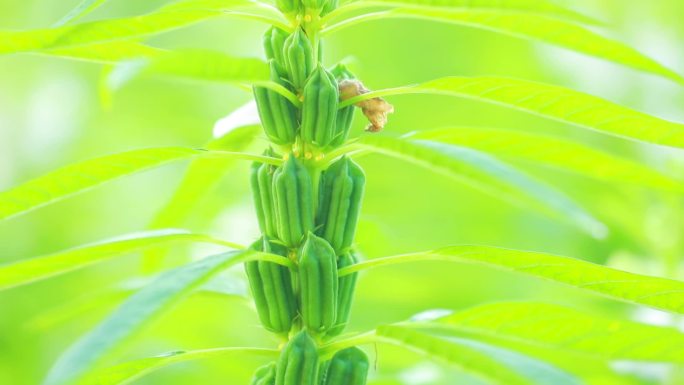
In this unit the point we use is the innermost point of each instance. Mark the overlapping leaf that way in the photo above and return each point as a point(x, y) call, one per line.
point(81, 10)
point(552, 151)
point(495, 365)
point(176, 15)
point(659, 293)
point(565, 329)
point(108, 53)
point(128, 372)
point(200, 179)
point(34, 269)
point(554, 102)
point(85, 175)
point(83, 357)
point(486, 174)
point(532, 26)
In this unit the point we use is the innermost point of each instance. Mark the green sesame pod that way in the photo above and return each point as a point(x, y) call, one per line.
point(271, 286)
point(288, 6)
point(319, 108)
point(293, 197)
point(299, 58)
point(347, 367)
point(261, 179)
point(340, 194)
point(277, 114)
point(274, 43)
point(265, 375)
point(345, 115)
point(298, 362)
point(318, 284)
point(345, 294)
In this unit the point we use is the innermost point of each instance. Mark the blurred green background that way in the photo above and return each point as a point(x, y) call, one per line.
point(51, 114)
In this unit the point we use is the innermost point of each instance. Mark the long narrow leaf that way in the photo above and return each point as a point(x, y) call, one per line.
point(34, 269)
point(554, 102)
point(139, 311)
point(108, 53)
point(659, 293)
point(200, 179)
point(553, 151)
point(81, 10)
point(130, 371)
point(171, 17)
point(488, 175)
point(83, 176)
point(495, 365)
point(530, 26)
point(538, 324)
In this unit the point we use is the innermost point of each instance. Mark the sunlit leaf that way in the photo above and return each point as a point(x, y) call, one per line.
point(138, 311)
point(81, 10)
point(201, 65)
point(487, 174)
point(34, 269)
point(496, 365)
point(127, 372)
point(552, 151)
point(109, 52)
point(659, 293)
point(554, 102)
point(200, 179)
point(93, 303)
point(530, 26)
point(167, 18)
point(85, 175)
point(543, 7)
point(566, 329)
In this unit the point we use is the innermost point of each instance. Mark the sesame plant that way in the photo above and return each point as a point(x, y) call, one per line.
point(308, 192)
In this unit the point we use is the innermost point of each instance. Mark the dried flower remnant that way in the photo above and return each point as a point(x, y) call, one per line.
point(376, 109)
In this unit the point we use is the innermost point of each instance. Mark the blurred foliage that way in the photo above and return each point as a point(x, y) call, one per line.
point(51, 114)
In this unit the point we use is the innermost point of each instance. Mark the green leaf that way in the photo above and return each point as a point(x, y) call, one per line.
point(139, 311)
point(539, 324)
point(82, 9)
point(35, 269)
point(659, 293)
point(529, 26)
point(543, 7)
point(557, 103)
point(177, 15)
point(495, 365)
point(82, 176)
point(200, 65)
point(486, 174)
point(128, 372)
point(555, 152)
point(108, 53)
point(200, 179)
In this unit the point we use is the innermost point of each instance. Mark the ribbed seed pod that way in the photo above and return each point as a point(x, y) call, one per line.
point(261, 179)
point(277, 114)
point(274, 43)
point(288, 6)
point(299, 58)
point(271, 286)
point(319, 108)
point(345, 116)
point(345, 294)
point(340, 194)
point(293, 197)
point(317, 284)
point(265, 375)
point(347, 367)
point(298, 362)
